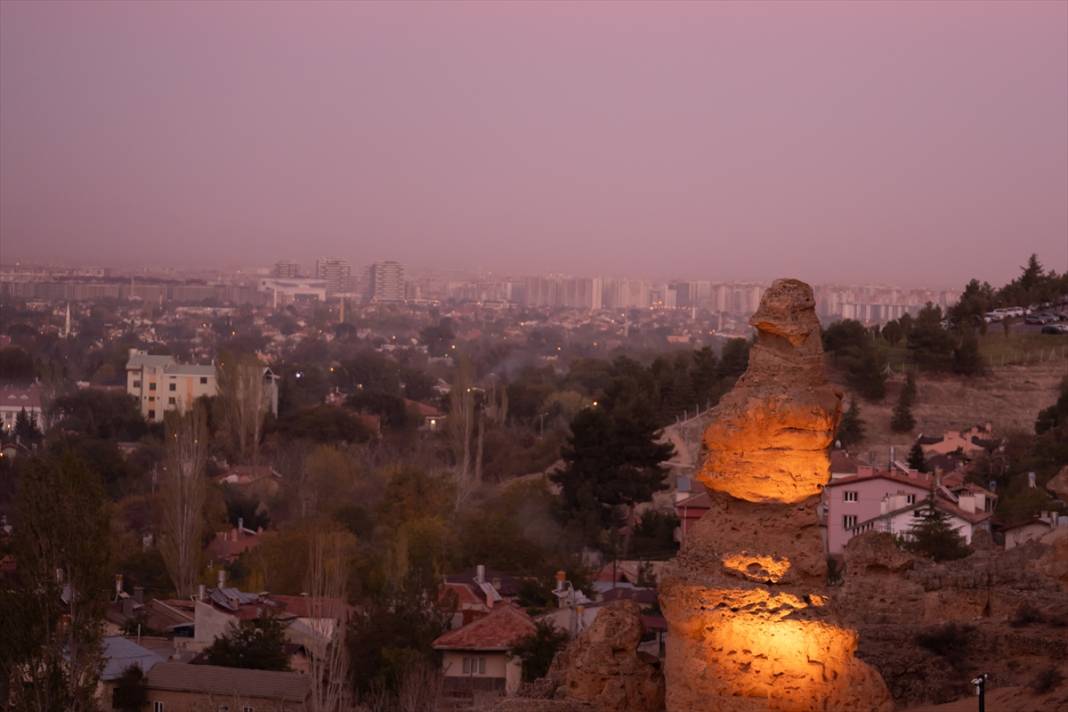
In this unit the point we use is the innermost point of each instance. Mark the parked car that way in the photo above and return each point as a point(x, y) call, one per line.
point(1055, 329)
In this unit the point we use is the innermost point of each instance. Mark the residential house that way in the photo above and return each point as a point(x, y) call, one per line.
point(476, 657)
point(14, 400)
point(901, 514)
point(851, 498)
point(690, 510)
point(229, 545)
point(181, 687)
point(1032, 529)
point(970, 442)
point(263, 481)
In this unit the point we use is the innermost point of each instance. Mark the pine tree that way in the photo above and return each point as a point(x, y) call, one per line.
point(611, 459)
point(933, 537)
point(25, 428)
point(967, 361)
point(851, 427)
point(901, 421)
point(909, 390)
point(916, 458)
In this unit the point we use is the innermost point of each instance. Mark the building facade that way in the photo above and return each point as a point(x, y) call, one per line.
point(387, 282)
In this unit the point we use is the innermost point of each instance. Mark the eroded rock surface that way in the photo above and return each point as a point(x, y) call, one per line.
point(769, 436)
point(604, 668)
point(750, 624)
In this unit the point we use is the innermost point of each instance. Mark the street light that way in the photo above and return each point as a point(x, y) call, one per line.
point(980, 689)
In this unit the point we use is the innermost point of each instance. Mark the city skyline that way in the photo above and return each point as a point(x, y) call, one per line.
point(918, 144)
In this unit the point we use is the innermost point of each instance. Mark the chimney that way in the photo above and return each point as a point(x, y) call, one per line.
point(200, 592)
point(480, 574)
point(1031, 480)
point(240, 524)
point(118, 586)
point(561, 576)
point(222, 578)
point(139, 594)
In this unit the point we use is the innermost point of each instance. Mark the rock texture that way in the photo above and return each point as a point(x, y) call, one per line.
point(927, 626)
point(604, 668)
point(769, 436)
point(750, 624)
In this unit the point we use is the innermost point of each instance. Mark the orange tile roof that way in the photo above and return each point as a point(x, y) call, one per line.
point(502, 628)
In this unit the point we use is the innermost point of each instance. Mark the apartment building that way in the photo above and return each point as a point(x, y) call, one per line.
point(387, 282)
point(160, 383)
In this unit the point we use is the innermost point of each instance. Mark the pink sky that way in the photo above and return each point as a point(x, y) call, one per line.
point(916, 142)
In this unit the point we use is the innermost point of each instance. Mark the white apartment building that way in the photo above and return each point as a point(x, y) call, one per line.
point(160, 384)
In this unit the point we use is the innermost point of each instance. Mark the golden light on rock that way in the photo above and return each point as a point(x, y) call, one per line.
point(757, 568)
point(750, 628)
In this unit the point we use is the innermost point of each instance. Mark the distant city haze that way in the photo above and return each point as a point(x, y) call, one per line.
point(909, 143)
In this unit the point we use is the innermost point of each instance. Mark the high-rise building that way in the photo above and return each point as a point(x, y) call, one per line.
point(285, 270)
point(387, 282)
point(337, 273)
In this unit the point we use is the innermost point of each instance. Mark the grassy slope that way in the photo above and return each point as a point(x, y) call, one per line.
point(1009, 396)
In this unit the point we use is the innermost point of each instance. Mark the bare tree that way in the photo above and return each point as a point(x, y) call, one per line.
point(328, 554)
point(244, 402)
point(182, 495)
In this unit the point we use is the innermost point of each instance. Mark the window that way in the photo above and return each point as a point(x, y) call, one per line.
point(849, 521)
point(171, 401)
point(137, 384)
point(474, 665)
point(849, 496)
point(152, 399)
point(173, 386)
point(203, 380)
point(911, 499)
point(152, 416)
point(157, 707)
point(224, 708)
point(247, 708)
point(152, 386)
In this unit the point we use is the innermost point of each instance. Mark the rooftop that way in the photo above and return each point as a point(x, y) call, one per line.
point(226, 682)
point(499, 630)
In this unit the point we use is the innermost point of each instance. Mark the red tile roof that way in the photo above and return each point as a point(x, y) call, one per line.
point(502, 628)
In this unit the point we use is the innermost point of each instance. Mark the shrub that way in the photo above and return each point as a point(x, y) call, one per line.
point(949, 641)
point(1026, 614)
point(1047, 680)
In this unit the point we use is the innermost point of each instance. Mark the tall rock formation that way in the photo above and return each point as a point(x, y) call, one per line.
point(750, 625)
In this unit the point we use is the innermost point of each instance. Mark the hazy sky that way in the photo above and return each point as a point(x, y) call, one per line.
point(915, 142)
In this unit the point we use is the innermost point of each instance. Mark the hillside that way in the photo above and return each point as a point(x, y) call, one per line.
point(1009, 397)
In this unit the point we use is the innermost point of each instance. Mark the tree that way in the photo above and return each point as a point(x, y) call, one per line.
point(967, 361)
point(244, 402)
point(130, 692)
point(329, 554)
point(901, 420)
point(932, 536)
point(537, 650)
point(612, 459)
point(733, 360)
point(323, 424)
point(182, 496)
point(908, 392)
point(53, 615)
point(257, 644)
point(893, 332)
point(930, 345)
point(1053, 417)
point(916, 458)
point(853, 350)
point(26, 428)
point(850, 427)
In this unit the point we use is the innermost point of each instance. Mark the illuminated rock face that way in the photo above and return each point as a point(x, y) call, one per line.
point(750, 625)
point(769, 436)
